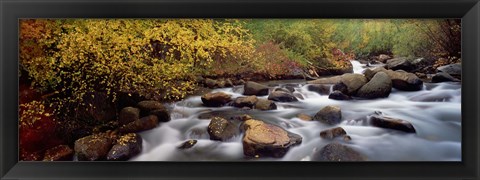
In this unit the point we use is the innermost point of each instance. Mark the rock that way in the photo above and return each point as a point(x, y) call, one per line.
point(248, 101)
point(127, 146)
point(267, 140)
point(330, 115)
point(338, 152)
point(188, 144)
point(221, 83)
point(304, 117)
point(400, 80)
point(216, 99)
point(353, 82)
point(142, 124)
point(340, 87)
point(347, 138)
point(200, 80)
point(406, 81)
point(210, 83)
point(383, 58)
point(443, 77)
point(264, 104)
point(221, 129)
point(337, 95)
point(93, 148)
point(282, 96)
point(454, 70)
point(421, 75)
point(329, 80)
point(128, 114)
point(283, 90)
point(58, 153)
point(333, 133)
point(392, 123)
point(378, 87)
point(228, 83)
point(321, 89)
point(400, 63)
point(253, 88)
point(154, 108)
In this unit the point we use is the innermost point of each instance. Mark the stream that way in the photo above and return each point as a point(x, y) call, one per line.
point(434, 111)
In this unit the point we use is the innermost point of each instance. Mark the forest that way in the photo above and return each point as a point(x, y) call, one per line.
point(95, 79)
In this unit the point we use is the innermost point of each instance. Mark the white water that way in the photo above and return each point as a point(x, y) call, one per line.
point(435, 112)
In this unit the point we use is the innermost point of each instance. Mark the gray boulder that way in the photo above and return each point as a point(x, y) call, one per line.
point(338, 95)
point(216, 99)
point(378, 87)
point(94, 147)
point(330, 115)
point(128, 114)
point(282, 96)
point(402, 63)
point(253, 88)
point(248, 101)
point(127, 146)
point(264, 105)
point(392, 123)
point(221, 129)
point(443, 77)
point(452, 69)
point(338, 152)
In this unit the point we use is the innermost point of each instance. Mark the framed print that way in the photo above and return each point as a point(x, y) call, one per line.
point(239, 89)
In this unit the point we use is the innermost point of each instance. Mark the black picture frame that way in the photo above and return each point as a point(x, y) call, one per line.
point(467, 10)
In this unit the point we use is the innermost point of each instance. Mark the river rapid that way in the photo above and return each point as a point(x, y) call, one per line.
point(434, 111)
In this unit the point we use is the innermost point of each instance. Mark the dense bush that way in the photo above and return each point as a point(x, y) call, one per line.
point(157, 59)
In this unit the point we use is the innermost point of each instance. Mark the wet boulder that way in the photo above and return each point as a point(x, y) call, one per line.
point(402, 63)
point(248, 101)
point(353, 82)
point(378, 87)
point(228, 83)
point(94, 147)
point(128, 114)
point(210, 83)
point(405, 81)
point(267, 140)
point(58, 153)
point(126, 147)
point(216, 99)
point(281, 96)
point(454, 70)
point(392, 123)
point(330, 115)
point(333, 133)
point(264, 105)
point(221, 129)
point(154, 108)
point(338, 95)
point(400, 80)
point(139, 125)
point(188, 144)
point(321, 89)
point(337, 152)
point(253, 88)
point(340, 87)
point(443, 77)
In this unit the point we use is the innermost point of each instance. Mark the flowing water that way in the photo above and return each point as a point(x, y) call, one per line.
point(435, 113)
